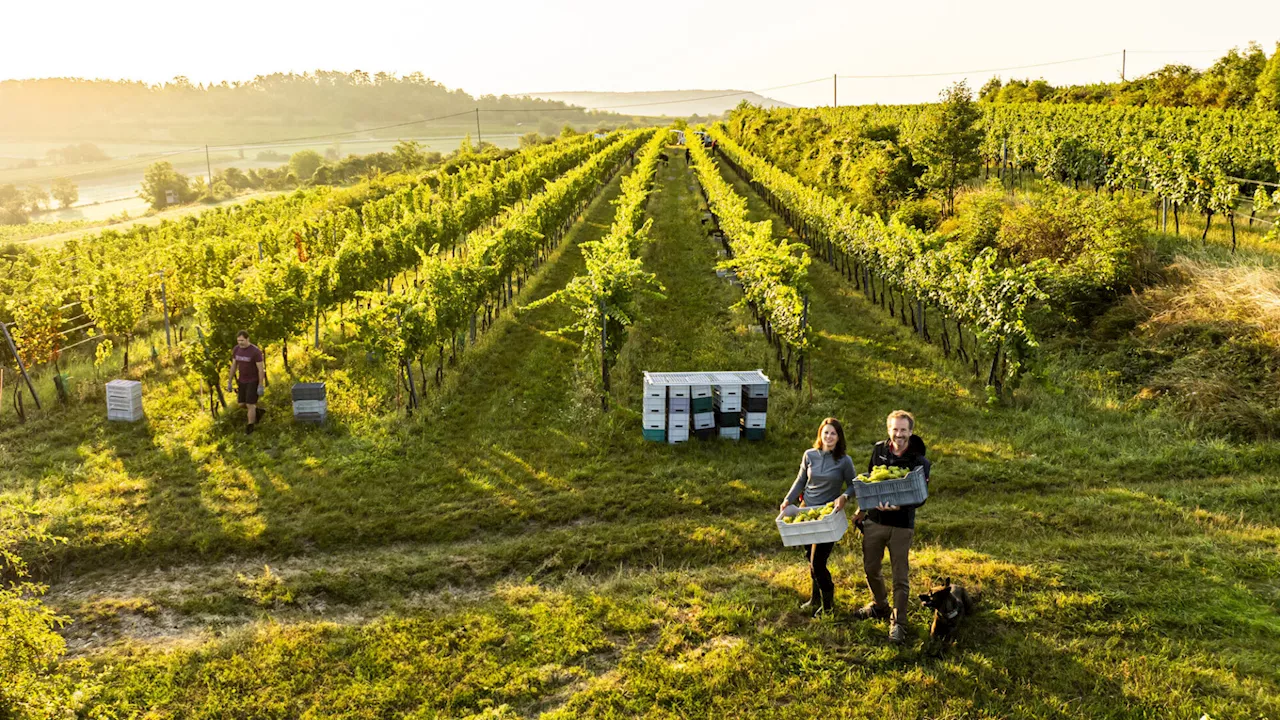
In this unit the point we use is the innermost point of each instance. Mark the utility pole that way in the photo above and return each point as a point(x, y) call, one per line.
point(209, 168)
point(479, 137)
point(1124, 56)
point(834, 101)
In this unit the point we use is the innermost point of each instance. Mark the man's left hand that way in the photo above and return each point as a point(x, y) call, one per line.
point(887, 508)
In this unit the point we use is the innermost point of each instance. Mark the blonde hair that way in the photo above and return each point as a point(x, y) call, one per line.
point(911, 419)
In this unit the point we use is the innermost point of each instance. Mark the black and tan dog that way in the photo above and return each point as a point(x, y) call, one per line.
point(950, 604)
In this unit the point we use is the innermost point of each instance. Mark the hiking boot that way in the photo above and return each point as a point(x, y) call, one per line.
point(897, 633)
point(248, 429)
point(872, 611)
point(262, 413)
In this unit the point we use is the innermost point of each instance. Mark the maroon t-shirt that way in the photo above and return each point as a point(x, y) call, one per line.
point(247, 360)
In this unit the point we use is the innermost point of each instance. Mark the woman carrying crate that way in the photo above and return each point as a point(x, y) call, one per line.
point(826, 472)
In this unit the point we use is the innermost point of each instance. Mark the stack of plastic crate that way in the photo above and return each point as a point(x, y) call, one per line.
point(309, 402)
point(124, 400)
point(655, 412)
point(756, 405)
point(704, 416)
point(678, 415)
point(728, 405)
point(705, 405)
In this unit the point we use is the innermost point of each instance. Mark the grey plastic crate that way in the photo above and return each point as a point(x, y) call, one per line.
point(910, 490)
point(308, 391)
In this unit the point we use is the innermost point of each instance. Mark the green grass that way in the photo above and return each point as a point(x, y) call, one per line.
point(513, 552)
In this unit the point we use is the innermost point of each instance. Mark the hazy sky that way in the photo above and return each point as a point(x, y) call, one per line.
point(492, 46)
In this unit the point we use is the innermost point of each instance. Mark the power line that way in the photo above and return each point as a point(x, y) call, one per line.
point(341, 134)
point(988, 69)
point(136, 161)
point(666, 102)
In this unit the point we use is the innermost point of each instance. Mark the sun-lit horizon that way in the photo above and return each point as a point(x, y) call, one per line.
point(510, 49)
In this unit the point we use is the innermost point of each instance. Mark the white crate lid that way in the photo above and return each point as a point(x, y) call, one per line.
point(726, 377)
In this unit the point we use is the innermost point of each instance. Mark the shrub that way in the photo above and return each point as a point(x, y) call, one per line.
point(923, 215)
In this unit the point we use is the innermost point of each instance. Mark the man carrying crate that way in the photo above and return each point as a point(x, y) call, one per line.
point(891, 527)
point(248, 369)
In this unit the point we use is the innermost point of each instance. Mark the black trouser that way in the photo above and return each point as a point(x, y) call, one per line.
point(824, 588)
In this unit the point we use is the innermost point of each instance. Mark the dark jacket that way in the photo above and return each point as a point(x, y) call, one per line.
point(882, 454)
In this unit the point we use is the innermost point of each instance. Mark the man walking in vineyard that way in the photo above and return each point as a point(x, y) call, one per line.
point(891, 527)
point(248, 368)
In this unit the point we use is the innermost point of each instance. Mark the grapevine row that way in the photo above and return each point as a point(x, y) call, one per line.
point(279, 296)
point(604, 297)
point(452, 289)
point(969, 291)
point(773, 273)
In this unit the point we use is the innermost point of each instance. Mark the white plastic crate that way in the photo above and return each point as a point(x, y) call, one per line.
point(677, 436)
point(653, 390)
point(704, 421)
point(731, 433)
point(737, 378)
point(124, 400)
point(729, 405)
point(655, 422)
point(679, 406)
point(699, 391)
point(678, 423)
point(754, 421)
point(728, 391)
point(655, 405)
point(757, 391)
point(678, 391)
point(829, 529)
point(303, 407)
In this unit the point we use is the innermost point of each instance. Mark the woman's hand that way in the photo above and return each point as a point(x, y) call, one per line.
point(887, 508)
point(783, 506)
point(840, 502)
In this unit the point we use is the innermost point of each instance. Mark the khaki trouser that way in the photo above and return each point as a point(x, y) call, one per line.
point(875, 538)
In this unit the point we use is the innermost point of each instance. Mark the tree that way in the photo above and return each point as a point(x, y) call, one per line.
point(13, 205)
point(35, 197)
point(1232, 81)
point(990, 89)
point(304, 164)
point(948, 141)
point(1268, 95)
point(160, 180)
point(29, 634)
point(409, 155)
point(233, 177)
point(65, 192)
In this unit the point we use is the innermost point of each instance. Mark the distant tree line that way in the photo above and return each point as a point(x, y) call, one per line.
point(163, 186)
point(52, 105)
point(1242, 80)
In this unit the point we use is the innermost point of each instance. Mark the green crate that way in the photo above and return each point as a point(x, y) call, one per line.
point(701, 405)
point(658, 435)
point(753, 433)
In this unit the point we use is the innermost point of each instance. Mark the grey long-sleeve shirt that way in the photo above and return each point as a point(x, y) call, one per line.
point(822, 478)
